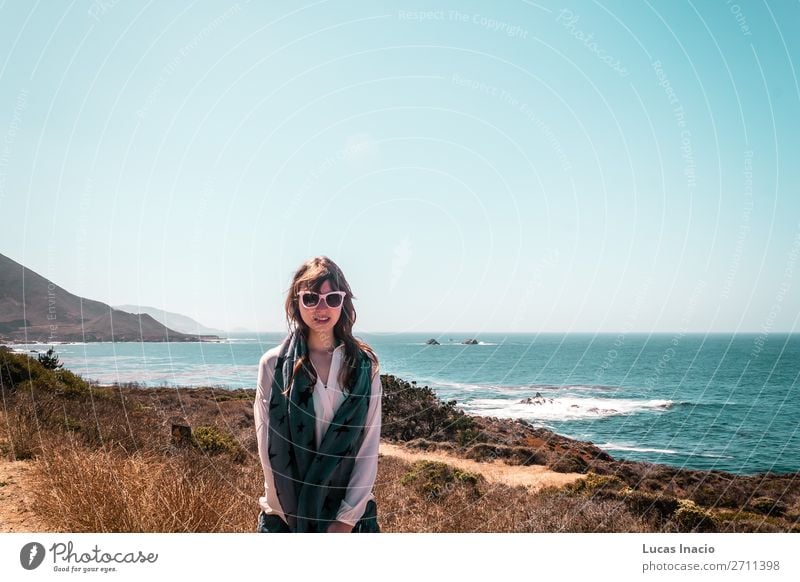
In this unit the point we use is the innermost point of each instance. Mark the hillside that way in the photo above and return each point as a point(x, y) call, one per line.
point(176, 321)
point(34, 309)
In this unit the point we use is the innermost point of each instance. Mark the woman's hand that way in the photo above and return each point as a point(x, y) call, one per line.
point(339, 527)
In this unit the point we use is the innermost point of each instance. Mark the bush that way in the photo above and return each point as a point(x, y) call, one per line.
point(651, 505)
point(569, 464)
point(767, 506)
point(513, 455)
point(691, 517)
point(426, 445)
point(17, 369)
point(14, 369)
point(434, 480)
point(73, 386)
point(595, 485)
point(411, 412)
point(50, 360)
point(469, 437)
point(460, 421)
point(212, 440)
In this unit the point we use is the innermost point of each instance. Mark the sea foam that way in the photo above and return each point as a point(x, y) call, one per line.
point(562, 408)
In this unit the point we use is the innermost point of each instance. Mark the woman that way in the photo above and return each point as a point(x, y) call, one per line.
point(318, 413)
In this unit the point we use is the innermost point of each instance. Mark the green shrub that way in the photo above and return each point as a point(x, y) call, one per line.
point(767, 506)
point(71, 385)
point(434, 480)
point(72, 424)
point(17, 369)
point(412, 412)
point(212, 440)
point(650, 505)
point(691, 517)
point(461, 421)
point(596, 485)
point(512, 455)
point(50, 360)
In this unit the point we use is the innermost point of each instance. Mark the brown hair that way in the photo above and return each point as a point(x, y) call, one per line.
point(311, 275)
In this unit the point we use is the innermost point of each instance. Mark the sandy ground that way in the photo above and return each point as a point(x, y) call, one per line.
point(17, 515)
point(533, 477)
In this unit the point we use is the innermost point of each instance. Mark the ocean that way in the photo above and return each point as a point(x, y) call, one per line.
point(718, 401)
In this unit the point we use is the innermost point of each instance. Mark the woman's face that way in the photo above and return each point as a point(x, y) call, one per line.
point(310, 315)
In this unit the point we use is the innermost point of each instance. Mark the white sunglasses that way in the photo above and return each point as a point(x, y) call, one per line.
point(311, 299)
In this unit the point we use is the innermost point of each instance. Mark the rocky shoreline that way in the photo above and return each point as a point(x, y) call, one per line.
point(414, 418)
point(764, 502)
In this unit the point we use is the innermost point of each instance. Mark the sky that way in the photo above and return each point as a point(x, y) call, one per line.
point(471, 166)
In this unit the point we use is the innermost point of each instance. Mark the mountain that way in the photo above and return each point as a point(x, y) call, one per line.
point(176, 321)
point(49, 313)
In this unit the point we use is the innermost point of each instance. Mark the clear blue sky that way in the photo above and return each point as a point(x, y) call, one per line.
point(515, 166)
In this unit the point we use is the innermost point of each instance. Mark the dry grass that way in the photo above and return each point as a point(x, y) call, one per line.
point(460, 506)
point(103, 460)
point(86, 490)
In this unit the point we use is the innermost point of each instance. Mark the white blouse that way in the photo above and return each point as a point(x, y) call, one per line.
point(326, 403)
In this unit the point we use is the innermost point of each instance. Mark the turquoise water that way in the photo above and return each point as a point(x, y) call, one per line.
point(727, 402)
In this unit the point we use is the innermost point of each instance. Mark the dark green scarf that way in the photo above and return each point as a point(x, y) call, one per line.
point(311, 483)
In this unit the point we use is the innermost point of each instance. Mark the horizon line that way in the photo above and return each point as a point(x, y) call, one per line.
point(668, 332)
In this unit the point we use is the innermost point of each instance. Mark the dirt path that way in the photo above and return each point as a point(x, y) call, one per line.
point(15, 498)
point(533, 477)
